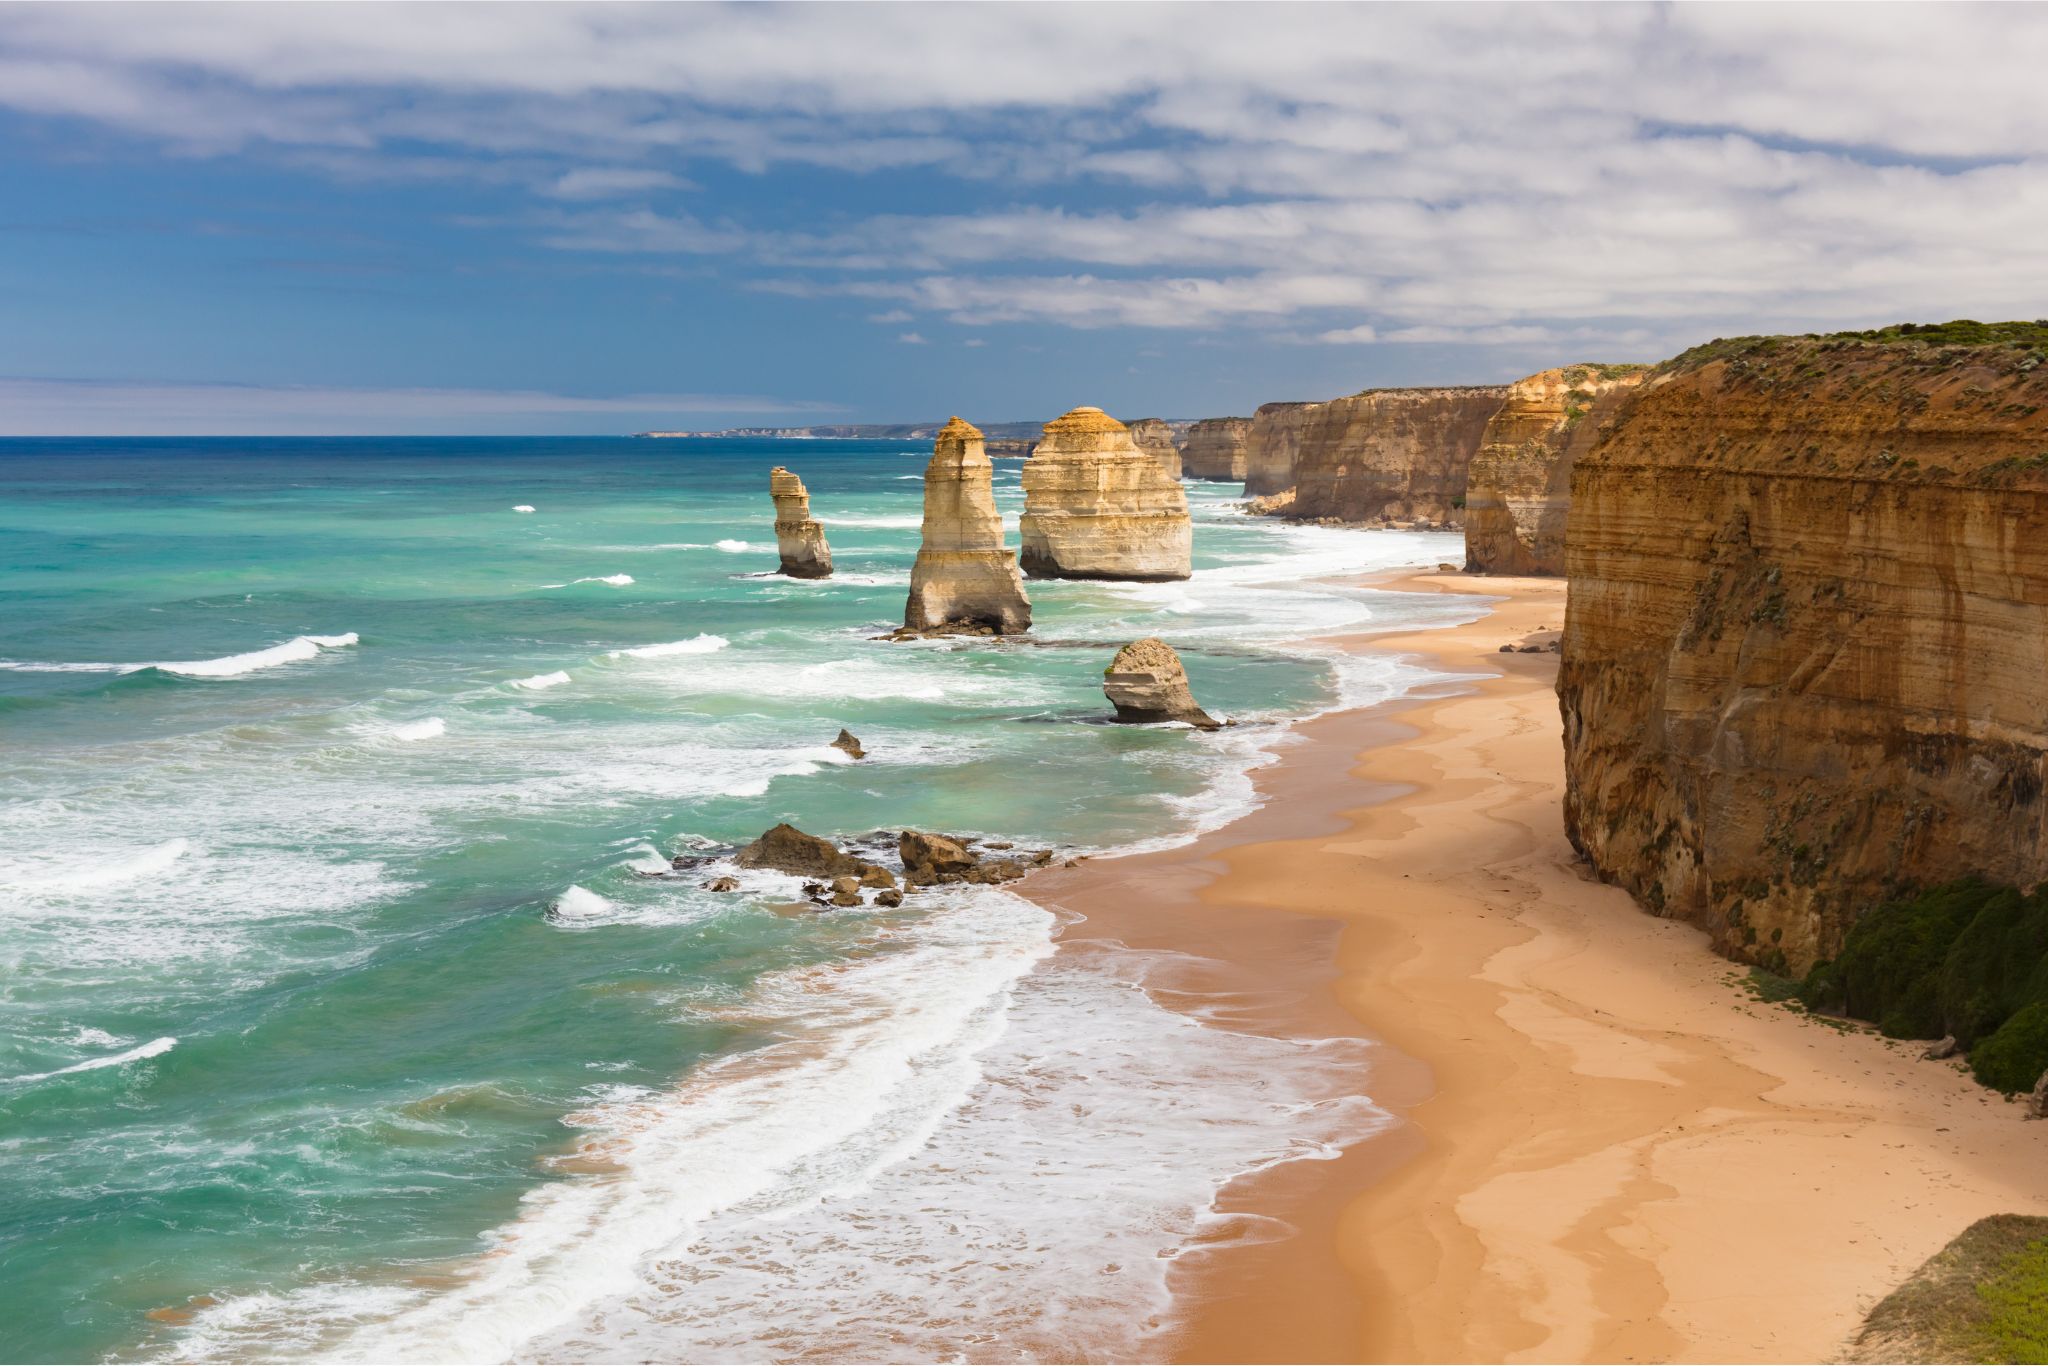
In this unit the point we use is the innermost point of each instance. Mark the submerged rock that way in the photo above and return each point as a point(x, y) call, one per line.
point(786, 849)
point(799, 539)
point(965, 579)
point(849, 743)
point(1097, 507)
point(1146, 683)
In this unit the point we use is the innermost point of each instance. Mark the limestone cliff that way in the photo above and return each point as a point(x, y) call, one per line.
point(1097, 507)
point(1519, 490)
point(1808, 631)
point(964, 578)
point(1153, 436)
point(1215, 449)
point(1391, 454)
point(1272, 445)
point(798, 538)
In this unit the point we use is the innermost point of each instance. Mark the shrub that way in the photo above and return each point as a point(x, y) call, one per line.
point(1890, 970)
point(1995, 966)
point(2014, 1058)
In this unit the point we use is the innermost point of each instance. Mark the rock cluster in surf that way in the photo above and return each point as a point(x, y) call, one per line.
point(1097, 507)
point(965, 580)
point(1147, 683)
point(799, 539)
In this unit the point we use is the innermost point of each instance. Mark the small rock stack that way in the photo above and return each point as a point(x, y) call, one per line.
point(799, 539)
point(1146, 683)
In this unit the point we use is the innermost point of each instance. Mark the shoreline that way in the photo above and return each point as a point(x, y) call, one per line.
point(1600, 1147)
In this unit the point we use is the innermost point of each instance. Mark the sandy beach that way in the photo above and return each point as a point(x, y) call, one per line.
point(1603, 1149)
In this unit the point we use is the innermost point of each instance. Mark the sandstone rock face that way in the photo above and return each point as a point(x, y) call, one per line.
point(1519, 491)
point(1391, 454)
point(1097, 507)
point(1807, 639)
point(964, 578)
point(798, 539)
point(1216, 448)
point(1153, 436)
point(1272, 446)
point(1146, 683)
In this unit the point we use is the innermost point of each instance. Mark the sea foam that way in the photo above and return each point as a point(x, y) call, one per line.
point(540, 681)
point(136, 1054)
point(695, 645)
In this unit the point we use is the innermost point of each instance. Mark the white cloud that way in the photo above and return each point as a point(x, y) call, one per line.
point(612, 182)
point(911, 339)
point(894, 315)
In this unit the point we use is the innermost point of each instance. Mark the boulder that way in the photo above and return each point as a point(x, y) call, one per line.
point(849, 743)
point(889, 896)
point(1097, 507)
point(1946, 1048)
point(846, 891)
point(1146, 683)
point(799, 539)
point(786, 849)
point(2037, 1099)
point(931, 858)
point(722, 884)
point(965, 581)
point(877, 876)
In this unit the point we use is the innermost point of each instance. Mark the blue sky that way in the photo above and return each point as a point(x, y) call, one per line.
point(592, 218)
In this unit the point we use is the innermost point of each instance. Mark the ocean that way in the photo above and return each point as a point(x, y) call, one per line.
point(341, 1019)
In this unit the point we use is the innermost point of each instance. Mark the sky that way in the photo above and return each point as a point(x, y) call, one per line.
point(312, 218)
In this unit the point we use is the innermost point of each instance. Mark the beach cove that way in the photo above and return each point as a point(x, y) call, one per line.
point(1603, 1148)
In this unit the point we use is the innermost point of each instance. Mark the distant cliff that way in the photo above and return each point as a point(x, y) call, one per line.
point(1155, 437)
point(1519, 490)
point(1400, 454)
point(1215, 449)
point(1272, 445)
point(1804, 656)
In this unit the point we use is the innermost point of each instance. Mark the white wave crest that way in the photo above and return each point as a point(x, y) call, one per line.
point(523, 507)
point(135, 1054)
point(149, 862)
point(430, 728)
point(615, 580)
point(580, 904)
point(227, 666)
point(696, 645)
point(734, 546)
point(540, 681)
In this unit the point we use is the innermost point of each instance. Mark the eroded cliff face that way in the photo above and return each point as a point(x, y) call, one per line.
point(1518, 492)
point(1272, 446)
point(1215, 449)
point(1154, 436)
point(964, 579)
point(799, 539)
point(1097, 507)
point(1805, 653)
point(1391, 454)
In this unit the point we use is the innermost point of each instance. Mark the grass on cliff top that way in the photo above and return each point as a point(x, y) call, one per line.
point(1983, 1298)
point(2019, 336)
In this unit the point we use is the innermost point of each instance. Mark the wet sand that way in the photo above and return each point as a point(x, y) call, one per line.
point(1602, 1149)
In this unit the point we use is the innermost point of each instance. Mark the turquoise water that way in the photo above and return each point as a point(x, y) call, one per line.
point(304, 740)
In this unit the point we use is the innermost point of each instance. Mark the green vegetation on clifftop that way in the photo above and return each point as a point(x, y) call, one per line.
point(2018, 336)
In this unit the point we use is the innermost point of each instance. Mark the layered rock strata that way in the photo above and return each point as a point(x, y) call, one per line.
point(1272, 446)
point(1097, 507)
point(1147, 683)
point(1153, 436)
point(1216, 449)
point(1391, 454)
point(1518, 494)
point(965, 579)
point(1808, 631)
point(799, 539)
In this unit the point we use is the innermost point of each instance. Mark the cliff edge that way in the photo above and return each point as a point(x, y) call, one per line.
point(1518, 493)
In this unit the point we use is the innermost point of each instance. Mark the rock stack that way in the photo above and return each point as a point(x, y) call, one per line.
point(798, 538)
point(1520, 486)
point(1215, 449)
point(1154, 437)
point(1097, 507)
point(1146, 683)
point(965, 580)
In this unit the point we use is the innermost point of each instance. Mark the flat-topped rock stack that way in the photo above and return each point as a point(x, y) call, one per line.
point(965, 579)
point(1518, 495)
point(799, 539)
point(1097, 507)
point(1154, 436)
point(1216, 448)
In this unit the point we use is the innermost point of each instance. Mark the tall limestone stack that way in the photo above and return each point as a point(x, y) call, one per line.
point(1519, 490)
point(1391, 454)
point(1804, 655)
point(1272, 446)
point(964, 580)
point(1097, 507)
point(798, 539)
point(1215, 449)
point(1153, 436)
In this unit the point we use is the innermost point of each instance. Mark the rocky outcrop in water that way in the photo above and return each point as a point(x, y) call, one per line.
point(1154, 436)
point(1808, 628)
point(798, 538)
point(848, 744)
point(786, 849)
point(1097, 507)
point(965, 580)
point(1216, 449)
point(1391, 454)
point(1519, 491)
point(1272, 446)
point(930, 859)
point(1146, 683)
